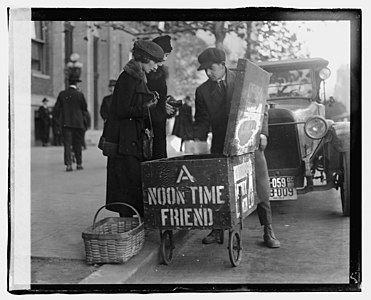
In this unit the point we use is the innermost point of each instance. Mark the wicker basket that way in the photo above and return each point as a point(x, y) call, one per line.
point(113, 240)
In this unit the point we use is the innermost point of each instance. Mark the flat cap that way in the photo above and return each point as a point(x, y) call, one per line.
point(164, 42)
point(150, 48)
point(210, 56)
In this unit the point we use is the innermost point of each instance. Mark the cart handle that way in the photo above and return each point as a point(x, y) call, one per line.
point(114, 203)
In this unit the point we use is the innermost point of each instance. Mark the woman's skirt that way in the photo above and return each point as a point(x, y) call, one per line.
point(124, 184)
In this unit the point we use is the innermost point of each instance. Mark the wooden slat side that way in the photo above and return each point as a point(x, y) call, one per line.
point(186, 194)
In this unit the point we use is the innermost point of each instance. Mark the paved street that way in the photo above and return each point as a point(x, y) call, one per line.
point(314, 249)
point(63, 205)
point(313, 233)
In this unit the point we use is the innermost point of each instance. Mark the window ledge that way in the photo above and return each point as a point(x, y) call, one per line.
point(40, 75)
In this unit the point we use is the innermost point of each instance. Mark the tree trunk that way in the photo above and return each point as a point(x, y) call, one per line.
point(248, 41)
point(219, 33)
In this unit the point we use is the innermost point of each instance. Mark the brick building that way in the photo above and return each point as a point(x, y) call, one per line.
point(102, 52)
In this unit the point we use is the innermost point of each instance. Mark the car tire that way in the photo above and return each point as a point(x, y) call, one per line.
point(345, 184)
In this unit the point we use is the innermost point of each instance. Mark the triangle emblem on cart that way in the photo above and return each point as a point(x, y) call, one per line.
point(184, 174)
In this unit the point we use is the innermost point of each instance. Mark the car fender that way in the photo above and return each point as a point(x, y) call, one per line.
point(340, 132)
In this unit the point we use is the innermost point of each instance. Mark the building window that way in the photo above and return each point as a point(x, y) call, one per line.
point(39, 47)
point(68, 41)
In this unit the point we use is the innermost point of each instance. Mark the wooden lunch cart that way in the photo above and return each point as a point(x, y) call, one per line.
point(211, 191)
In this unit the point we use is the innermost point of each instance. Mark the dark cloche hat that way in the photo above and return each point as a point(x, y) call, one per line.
point(45, 100)
point(112, 82)
point(164, 42)
point(151, 49)
point(210, 56)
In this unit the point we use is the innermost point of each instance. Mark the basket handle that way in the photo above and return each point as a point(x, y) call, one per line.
point(114, 203)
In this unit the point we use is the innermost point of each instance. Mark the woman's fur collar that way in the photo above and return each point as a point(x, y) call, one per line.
point(134, 68)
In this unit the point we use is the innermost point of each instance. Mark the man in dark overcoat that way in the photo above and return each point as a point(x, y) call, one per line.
point(44, 115)
point(106, 102)
point(213, 100)
point(70, 109)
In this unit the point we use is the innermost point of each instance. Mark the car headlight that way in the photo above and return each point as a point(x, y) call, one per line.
point(324, 73)
point(316, 127)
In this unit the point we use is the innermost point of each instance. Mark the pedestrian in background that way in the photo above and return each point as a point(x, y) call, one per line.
point(183, 122)
point(57, 129)
point(213, 100)
point(156, 82)
point(106, 102)
point(124, 130)
point(45, 120)
point(70, 108)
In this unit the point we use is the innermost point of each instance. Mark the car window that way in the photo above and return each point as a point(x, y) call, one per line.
point(291, 83)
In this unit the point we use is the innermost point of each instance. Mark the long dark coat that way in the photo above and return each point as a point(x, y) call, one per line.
point(123, 139)
point(212, 112)
point(70, 108)
point(105, 107)
point(44, 115)
point(156, 81)
point(126, 119)
point(183, 123)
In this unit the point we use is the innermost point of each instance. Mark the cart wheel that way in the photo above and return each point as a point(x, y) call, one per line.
point(167, 247)
point(235, 248)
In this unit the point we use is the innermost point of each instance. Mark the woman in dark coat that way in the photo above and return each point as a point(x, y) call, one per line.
point(44, 116)
point(183, 122)
point(162, 111)
point(123, 131)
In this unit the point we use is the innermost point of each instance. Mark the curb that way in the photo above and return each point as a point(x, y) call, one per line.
point(148, 258)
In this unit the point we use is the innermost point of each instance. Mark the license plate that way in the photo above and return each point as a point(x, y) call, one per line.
point(282, 188)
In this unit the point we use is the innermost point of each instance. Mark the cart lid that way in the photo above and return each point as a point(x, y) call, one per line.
point(247, 109)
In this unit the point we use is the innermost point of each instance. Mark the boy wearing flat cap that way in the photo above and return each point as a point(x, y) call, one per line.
point(213, 99)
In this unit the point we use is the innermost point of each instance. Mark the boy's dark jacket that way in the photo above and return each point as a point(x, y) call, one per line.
point(212, 111)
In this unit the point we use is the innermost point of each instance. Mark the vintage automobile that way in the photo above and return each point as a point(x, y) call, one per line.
point(306, 152)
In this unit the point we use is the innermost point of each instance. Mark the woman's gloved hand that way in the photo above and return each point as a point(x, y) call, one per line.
point(154, 100)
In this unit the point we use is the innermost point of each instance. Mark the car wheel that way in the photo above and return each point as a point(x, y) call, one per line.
point(345, 185)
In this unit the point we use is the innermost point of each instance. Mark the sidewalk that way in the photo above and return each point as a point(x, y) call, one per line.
point(63, 205)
